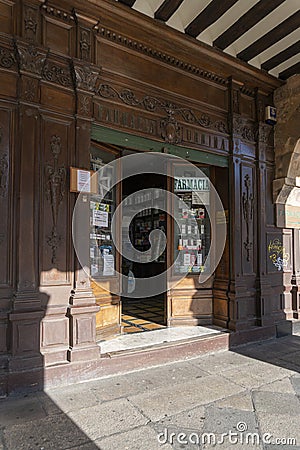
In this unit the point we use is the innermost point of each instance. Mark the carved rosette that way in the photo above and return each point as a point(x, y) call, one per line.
point(247, 202)
point(55, 192)
point(30, 22)
point(7, 58)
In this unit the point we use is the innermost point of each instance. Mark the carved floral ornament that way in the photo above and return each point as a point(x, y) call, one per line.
point(4, 167)
point(86, 77)
point(7, 58)
point(152, 104)
point(247, 202)
point(55, 192)
point(244, 128)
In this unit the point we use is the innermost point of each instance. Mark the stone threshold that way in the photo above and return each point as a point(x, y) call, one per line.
point(157, 339)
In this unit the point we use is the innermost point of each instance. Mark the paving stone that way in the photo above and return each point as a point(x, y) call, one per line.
point(224, 420)
point(138, 439)
point(144, 380)
point(220, 362)
point(256, 374)
point(164, 376)
point(74, 397)
point(241, 401)
point(170, 400)
point(108, 418)
point(296, 384)
point(19, 410)
point(284, 386)
point(279, 425)
point(53, 432)
point(293, 357)
point(192, 419)
point(276, 403)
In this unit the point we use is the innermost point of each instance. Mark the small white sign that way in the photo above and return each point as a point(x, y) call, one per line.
point(83, 180)
point(109, 265)
point(100, 219)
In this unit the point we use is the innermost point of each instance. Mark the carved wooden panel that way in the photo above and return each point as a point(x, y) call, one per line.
point(150, 71)
point(248, 218)
point(31, 22)
point(58, 30)
point(55, 331)
point(57, 144)
point(6, 249)
point(6, 16)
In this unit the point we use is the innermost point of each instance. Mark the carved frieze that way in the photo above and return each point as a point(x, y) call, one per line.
point(154, 104)
point(55, 192)
point(247, 202)
point(30, 58)
point(7, 58)
point(57, 74)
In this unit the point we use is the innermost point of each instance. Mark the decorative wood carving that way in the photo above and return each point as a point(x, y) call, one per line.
point(56, 179)
point(150, 103)
point(84, 107)
point(30, 90)
point(85, 44)
point(57, 13)
point(244, 128)
point(31, 59)
point(86, 78)
point(4, 165)
point(7, 58)
point(236, 101)
point(30, 23)
point(57, 74)
point(170, 130)
point(247, 200)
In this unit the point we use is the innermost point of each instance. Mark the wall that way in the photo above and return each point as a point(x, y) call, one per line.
point(65, 64)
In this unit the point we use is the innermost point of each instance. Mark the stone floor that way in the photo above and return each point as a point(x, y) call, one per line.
point(250, 395)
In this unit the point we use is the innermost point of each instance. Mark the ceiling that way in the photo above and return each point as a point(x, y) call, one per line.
point(264, 33)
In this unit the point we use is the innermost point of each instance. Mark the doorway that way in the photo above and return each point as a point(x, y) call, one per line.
point(147, 313)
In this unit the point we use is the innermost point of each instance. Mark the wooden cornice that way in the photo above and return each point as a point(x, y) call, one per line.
point(144, 33)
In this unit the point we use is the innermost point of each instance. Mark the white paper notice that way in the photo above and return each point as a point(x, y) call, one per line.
point(100, 218)
point(83, 181)
point(186, 259)
point(109, 265)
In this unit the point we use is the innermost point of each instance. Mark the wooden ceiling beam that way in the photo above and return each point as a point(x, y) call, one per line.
point(270, 38)
point(287, 53)
point(245, 22)
point(290, 71)
point(167, 9)
point(127, 2)
point(214, 10)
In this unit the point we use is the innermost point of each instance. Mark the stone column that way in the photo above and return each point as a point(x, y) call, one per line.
point(286, 184)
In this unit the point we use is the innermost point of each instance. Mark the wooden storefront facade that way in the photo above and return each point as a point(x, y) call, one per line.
point(74, 73)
